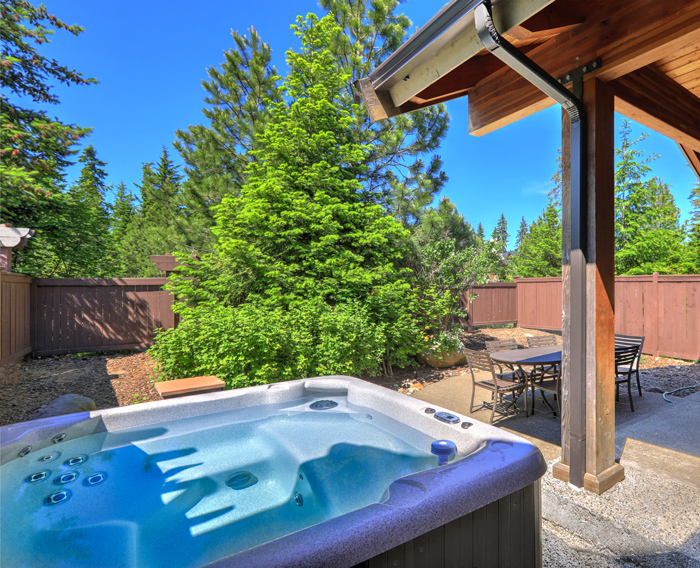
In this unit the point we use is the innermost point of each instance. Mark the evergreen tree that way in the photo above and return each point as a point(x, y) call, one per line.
point(160, 225)
point(122, 213)
point(407, 185)
point(79, 226)
point(500, 234)
point(36, 148)
point(554, 194)
point(442, 223)
point(693, 246)
point(217, 153)
point(540, 251)
point(480, 235)
point(648, 236)
point(522, 234)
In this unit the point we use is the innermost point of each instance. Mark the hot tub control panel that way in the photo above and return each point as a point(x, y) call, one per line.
point(447, 417)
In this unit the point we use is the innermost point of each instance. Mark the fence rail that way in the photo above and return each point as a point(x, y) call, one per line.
point(15, 339)
point(52, 316)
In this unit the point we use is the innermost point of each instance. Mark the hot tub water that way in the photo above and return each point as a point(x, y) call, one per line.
point(190, 491)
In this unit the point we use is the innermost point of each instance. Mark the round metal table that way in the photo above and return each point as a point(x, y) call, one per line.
point(532, 357)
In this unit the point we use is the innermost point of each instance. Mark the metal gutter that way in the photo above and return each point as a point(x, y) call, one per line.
point(452, 19)
point(573, 104)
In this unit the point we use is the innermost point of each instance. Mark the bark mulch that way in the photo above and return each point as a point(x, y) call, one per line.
point(118, 379)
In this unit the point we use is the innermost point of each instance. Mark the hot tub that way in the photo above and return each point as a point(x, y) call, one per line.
point(330, 471)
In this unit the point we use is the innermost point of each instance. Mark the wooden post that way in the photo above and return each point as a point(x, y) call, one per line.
point(601, 471)
point(651, 307)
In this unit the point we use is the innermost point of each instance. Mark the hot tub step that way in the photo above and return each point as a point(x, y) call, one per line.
point(186, 387)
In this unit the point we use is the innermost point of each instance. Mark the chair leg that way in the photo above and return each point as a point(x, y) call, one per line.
point(471, 405)
point(493, 408)
point(629, 391)
point(639, 386)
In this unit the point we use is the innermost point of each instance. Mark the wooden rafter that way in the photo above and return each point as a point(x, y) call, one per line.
point(693, 158)
point(651, 98)
point(626, 35)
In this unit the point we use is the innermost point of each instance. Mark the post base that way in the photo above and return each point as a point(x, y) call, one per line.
point(597, 484)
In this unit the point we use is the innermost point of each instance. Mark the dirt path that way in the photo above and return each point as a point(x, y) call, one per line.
point(118, 380)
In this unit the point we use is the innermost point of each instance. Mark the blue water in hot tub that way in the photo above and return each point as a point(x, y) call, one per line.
point(188, 492)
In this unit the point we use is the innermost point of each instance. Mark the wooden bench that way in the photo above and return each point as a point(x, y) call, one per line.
point(186, 387)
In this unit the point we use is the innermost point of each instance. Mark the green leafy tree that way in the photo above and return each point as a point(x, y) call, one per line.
point(693, 246)
point(648, 235)
point(540, 251)
point(304, 240)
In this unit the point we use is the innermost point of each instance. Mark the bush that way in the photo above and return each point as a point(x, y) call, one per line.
point(253, 344)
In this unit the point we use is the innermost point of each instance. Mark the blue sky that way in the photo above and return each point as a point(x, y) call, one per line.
point(150, 58)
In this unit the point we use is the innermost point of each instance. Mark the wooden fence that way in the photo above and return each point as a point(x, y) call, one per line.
point(97, 314)
point(51, 316)
point(664, 309)
point(15, 339)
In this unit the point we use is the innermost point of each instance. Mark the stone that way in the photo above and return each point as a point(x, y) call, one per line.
point(442, 359)
point(66, 404)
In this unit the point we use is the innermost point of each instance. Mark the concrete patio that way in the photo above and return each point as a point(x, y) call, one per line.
point(651, 519)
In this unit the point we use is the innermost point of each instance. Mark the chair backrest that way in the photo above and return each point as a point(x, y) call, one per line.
point(541, 341)
point(479, 361)
point(628, 341)
point(626, 356)
point(501, 345)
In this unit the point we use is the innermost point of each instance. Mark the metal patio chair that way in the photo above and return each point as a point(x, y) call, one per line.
point(624, 363)
point(626, 341)
point(480, 361)
point(551, 371)
point(505, 345)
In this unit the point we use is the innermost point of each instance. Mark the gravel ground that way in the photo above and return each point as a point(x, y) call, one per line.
point(116, 379)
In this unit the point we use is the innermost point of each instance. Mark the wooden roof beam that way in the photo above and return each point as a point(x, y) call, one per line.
point(651, 98)
point(693, 158)
point(626, 35)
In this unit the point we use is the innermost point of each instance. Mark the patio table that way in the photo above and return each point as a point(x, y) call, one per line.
point(532, 357)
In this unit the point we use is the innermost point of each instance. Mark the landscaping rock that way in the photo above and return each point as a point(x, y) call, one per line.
point(66, 404)
point(442, 359)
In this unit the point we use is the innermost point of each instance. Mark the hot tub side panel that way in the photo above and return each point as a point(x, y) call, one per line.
point(505, 533)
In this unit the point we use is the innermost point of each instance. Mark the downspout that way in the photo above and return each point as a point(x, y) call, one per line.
point(572, 103)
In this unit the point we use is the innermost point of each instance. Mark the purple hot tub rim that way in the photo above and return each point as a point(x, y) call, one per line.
point(497, 464)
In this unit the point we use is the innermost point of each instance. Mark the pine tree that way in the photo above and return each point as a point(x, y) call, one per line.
point(648, 235)
point(36, 148)
point(444, 223)
point(540, 251)
point(554, 195)
point(407, 185)
point(500, 233)
point(303, 223)
point(217, 153)
point(480, 235)
point(522, 234)
point(160, 225)
point(693, 245)
point(80, 243)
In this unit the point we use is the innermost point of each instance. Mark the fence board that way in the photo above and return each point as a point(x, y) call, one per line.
point(664, 309)
point(15, 337)
point(98, 314)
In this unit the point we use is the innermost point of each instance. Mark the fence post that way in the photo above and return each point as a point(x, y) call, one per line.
point(517, 311)
point(655, 315)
